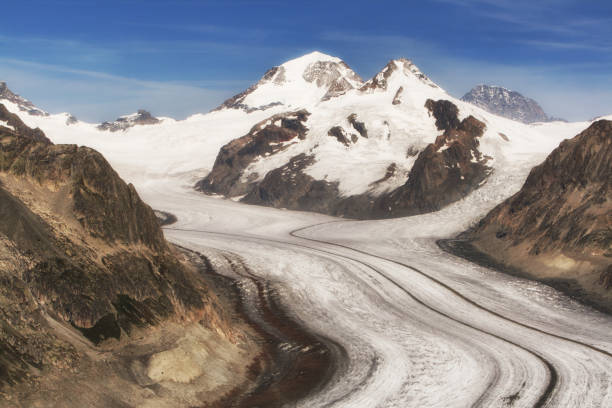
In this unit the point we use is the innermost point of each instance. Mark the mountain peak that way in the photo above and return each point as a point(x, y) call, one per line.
point(403, 67)
point(142, 117)
point(23, 104)
point(507, 103)
point(297, 83)
point(315, 56)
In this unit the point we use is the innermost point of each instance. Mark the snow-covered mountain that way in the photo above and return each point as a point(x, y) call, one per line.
point(142, 117)
point(397, 145)
point(504, 102)
point(312, 135)
point(298, 83)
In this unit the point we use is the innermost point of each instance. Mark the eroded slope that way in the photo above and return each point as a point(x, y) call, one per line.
point(558, 227)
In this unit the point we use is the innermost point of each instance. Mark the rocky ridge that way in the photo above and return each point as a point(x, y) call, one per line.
point(85, 275)
point(509, 104)
point(23, 104)
point(318, 76)
point(142, 117)
point(445, 171)
point(558, 227)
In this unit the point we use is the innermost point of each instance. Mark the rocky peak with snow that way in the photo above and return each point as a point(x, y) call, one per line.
point(300, 82)
point(402, 68)
point(504, 102)
point(142, 117)
point(23, 104)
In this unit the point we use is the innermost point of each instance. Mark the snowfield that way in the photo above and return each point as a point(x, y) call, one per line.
point(422, 328)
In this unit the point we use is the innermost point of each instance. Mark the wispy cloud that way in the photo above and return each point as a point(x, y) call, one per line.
point(70, 90)
point(565, 45)
point(544, 16)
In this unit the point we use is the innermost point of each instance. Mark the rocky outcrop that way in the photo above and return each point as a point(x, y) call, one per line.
point(397, 98)
point(506, 103)
point(289, 187)
point(336, 77)
point(445, 171)
point(407, 67)
point(326, 73)
point(267, 137)
point(84, 266)
point(23, 104)
point(274, 74)
point(340, 135)
point(142, 117)
point(348, 136)
point(357, 125)
point(558, 227)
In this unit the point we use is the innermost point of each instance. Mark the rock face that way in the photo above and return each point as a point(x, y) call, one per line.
point(506, 103)
point(142, 117)
point(80, 252)
point(558, 227)
point(445, 171)
point(267, 137)
point(306, 80)
point(380, 80)
point(289, 187)
point(23, 104)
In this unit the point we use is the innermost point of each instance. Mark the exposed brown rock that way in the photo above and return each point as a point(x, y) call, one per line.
point(267, 137)
point(558, 227)
point(446, 171)
point(391, 171)
point(380, 80)
point(329, 74)
point(445, 112)
point(80, 252)
point(397, 99)
point(339, 134)
point(289, 187)
point(357, 125)
point(23, 104)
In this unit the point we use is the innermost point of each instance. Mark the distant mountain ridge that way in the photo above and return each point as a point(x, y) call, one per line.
point(142, 117)
point(23, 104)
point(509, 104)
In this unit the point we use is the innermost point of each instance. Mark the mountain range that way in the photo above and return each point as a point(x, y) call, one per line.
point(310, 135)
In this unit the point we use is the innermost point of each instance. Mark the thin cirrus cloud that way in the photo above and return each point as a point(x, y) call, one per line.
point(546, 16)
point(540, 48)
point(565, 45)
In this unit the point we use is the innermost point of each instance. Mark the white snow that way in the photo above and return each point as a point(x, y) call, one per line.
point(6, 125)
point(293, 90)
point(189, 147)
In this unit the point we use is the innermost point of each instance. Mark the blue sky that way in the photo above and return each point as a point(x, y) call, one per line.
point(102, 59)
